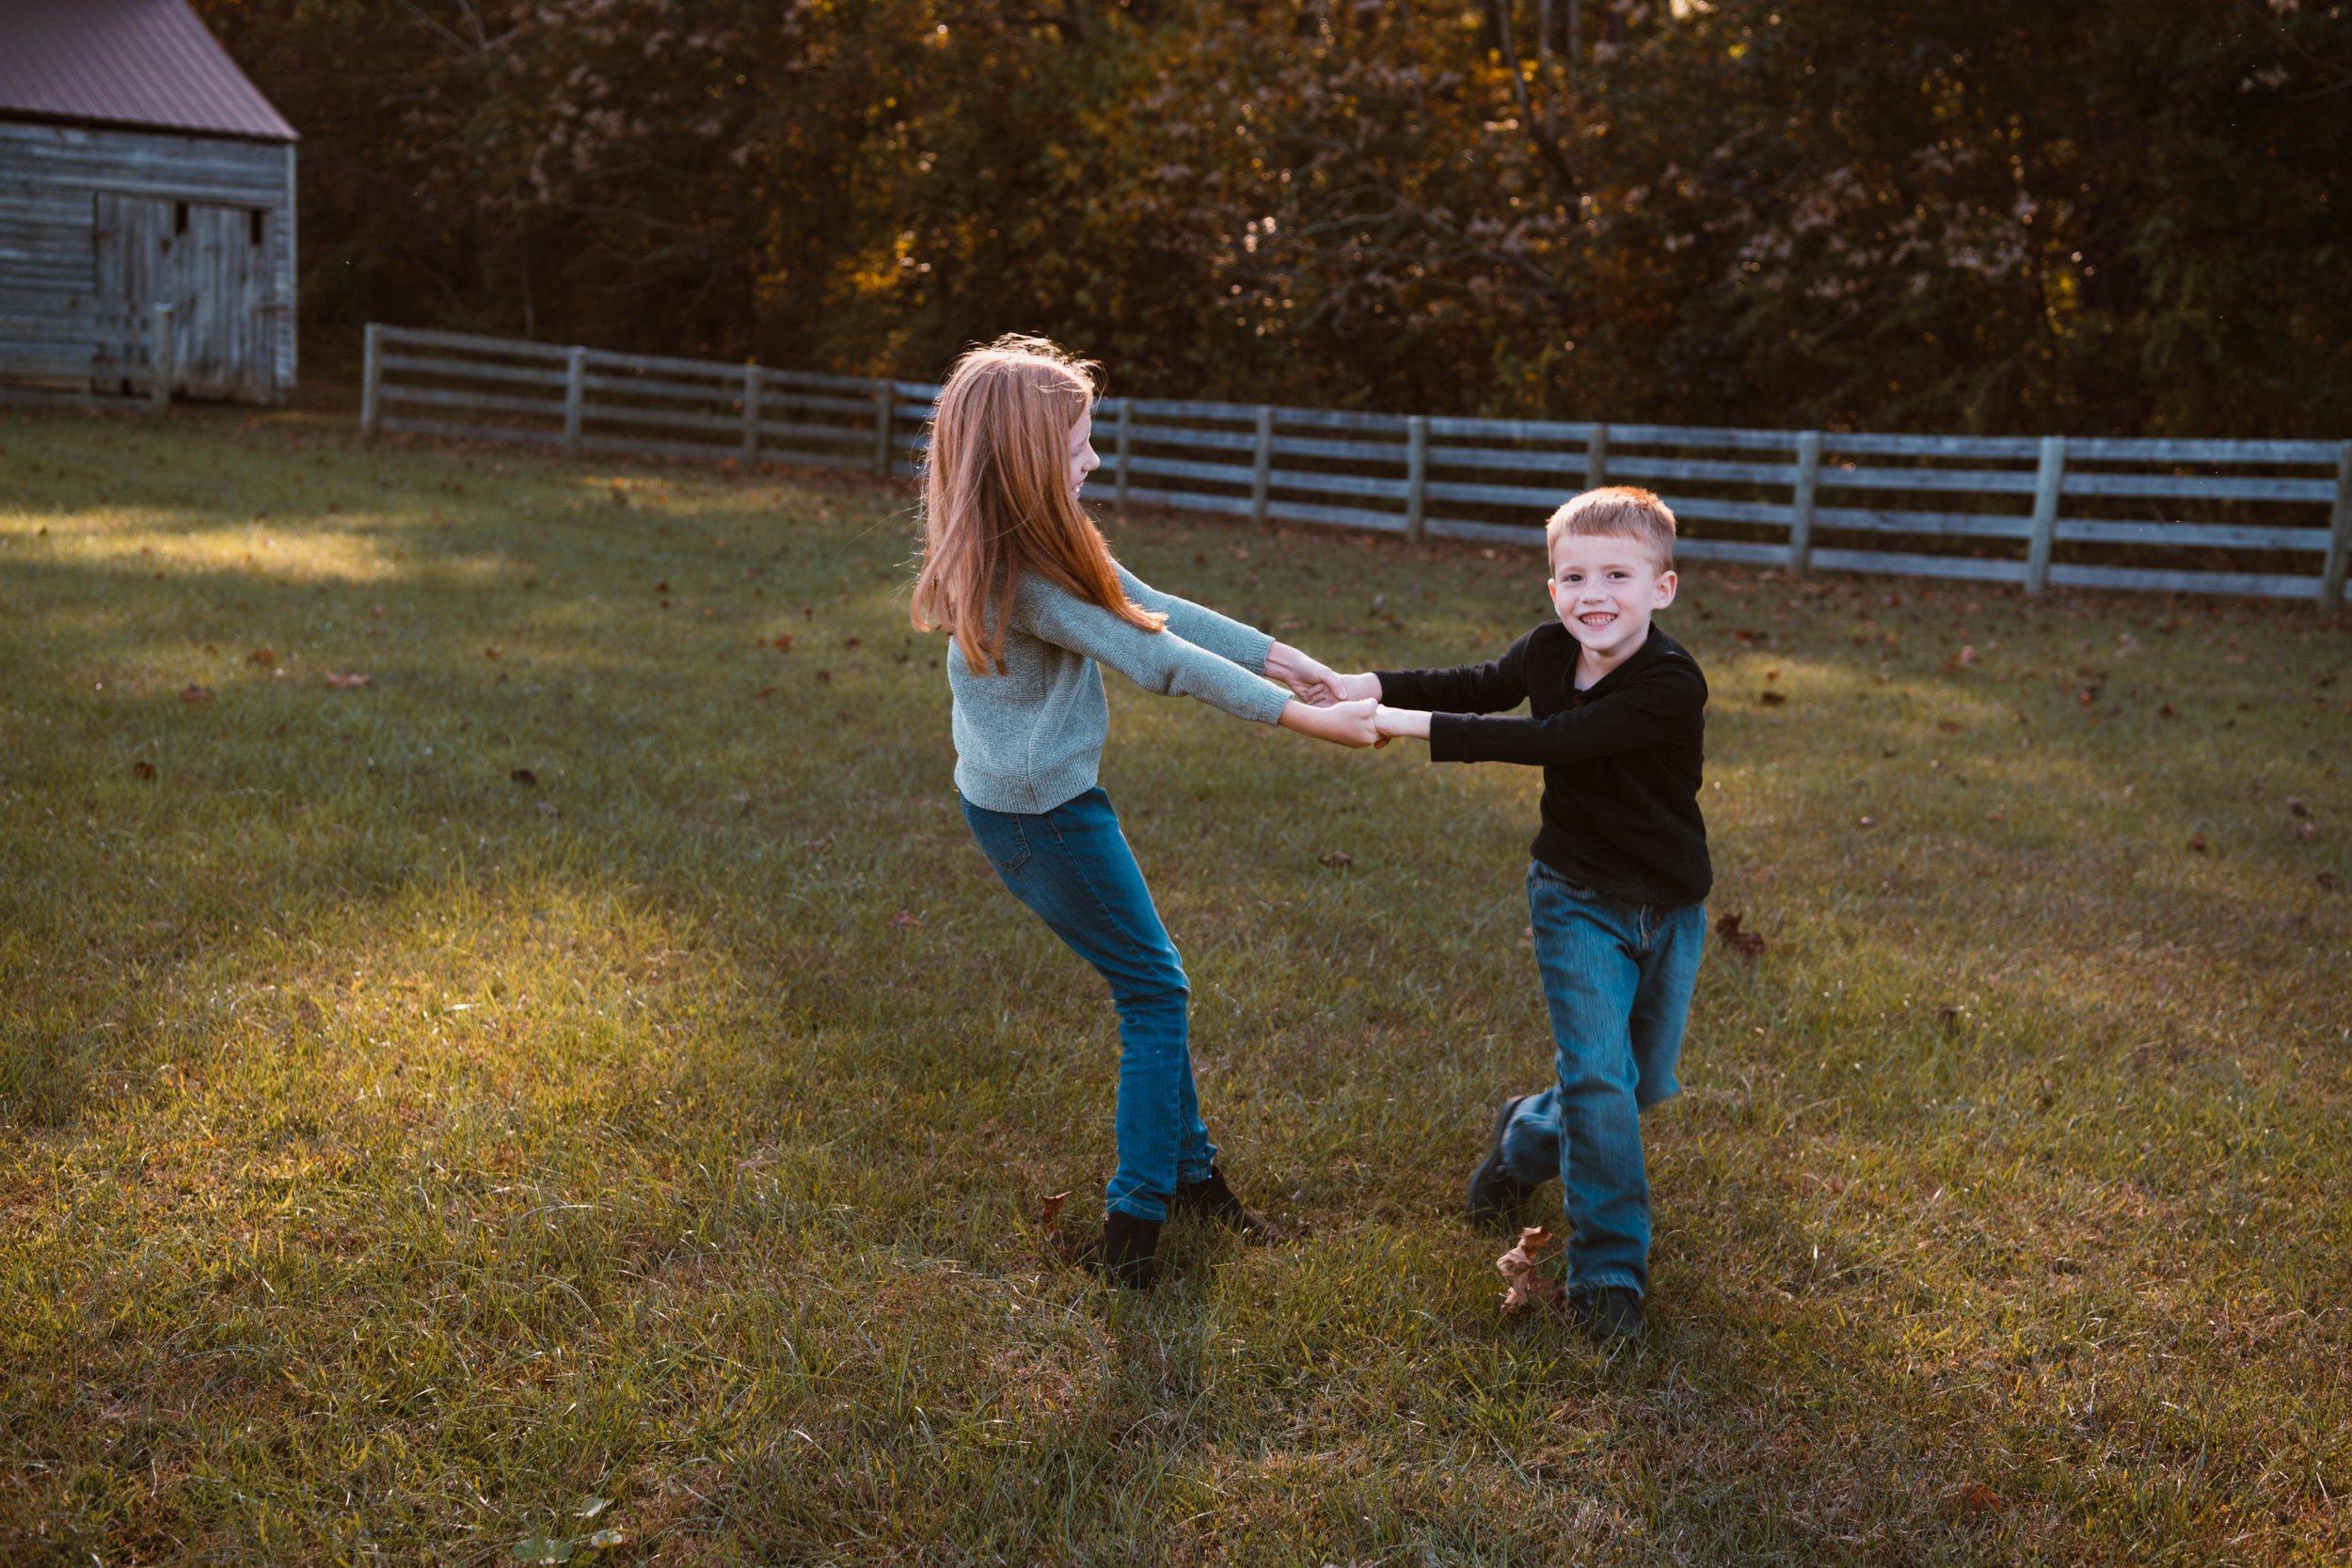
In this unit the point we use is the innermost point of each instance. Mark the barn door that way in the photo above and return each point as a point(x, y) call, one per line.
point(211, 264)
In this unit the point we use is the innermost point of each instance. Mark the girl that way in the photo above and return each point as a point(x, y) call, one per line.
point(1024, 583)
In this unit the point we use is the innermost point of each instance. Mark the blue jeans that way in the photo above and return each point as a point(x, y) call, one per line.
point(1618, 981)
point(1072, 867)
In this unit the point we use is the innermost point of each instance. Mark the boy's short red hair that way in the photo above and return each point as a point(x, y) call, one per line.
point(1616, 511)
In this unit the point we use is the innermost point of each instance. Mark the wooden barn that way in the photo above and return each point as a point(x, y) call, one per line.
point(139, 168)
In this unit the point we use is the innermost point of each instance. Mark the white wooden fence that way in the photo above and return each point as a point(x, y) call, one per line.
point(2271, 518)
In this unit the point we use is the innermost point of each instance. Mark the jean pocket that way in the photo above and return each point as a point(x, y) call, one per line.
point(1001, 840)
point(1538, 871)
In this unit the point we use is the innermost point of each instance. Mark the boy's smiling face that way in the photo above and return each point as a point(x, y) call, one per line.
point(1606, 587)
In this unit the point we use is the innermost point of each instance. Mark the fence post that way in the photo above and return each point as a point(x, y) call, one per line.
point(2339, 537)
point(1596, 457)
point(161, 357)
point(372, 384)
point(1126, 447)
point(1417, 478)
point(2046, 483)
point(575, 399)
point(750, 414)
point(886, 395)
point(1801, 509)
point(1262, 469)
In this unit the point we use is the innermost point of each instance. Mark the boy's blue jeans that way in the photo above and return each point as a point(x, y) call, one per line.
point(1617, 980)
point(1072, 867)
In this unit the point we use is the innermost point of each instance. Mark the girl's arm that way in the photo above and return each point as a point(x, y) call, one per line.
point(1165, 662)
point(1309, 680)
point(1228, 638)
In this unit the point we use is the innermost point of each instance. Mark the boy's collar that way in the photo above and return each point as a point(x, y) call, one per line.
point(1653, 645)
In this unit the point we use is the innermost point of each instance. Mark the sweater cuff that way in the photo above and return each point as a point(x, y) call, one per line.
point(1449, 736)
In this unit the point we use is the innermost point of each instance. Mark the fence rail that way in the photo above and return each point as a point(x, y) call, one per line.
point(2270, 518)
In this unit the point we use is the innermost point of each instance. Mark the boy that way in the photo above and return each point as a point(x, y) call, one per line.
point(1619, 871)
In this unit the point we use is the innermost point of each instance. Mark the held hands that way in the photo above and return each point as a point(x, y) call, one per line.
point(1394, 721)
point(1315, 683)
point(1310, 681)
point(1342, 724)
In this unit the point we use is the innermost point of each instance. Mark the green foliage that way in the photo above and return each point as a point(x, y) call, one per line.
point(1947, 214)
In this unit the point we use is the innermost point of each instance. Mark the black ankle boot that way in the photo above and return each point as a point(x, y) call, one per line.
point(1129, 1252)
point(1211, 1199)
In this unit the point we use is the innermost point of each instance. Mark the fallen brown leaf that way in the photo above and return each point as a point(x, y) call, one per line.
point(1748, 944)
point(525, 777)
point(905, 920)
point(142, 768)
point(2197, 842)
point(1338, 859)
point(1524, 1283)
point(262, 655)
point(1772, 699)
point(784, 641)
point(346, 683)
point(194, 694)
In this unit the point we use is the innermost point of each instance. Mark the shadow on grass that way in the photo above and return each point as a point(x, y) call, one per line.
point(679, 1143)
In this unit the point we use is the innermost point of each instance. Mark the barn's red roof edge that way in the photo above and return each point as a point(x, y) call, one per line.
point(127, 62)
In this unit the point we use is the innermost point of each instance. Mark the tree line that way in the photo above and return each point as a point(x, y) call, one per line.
point(2011, 215)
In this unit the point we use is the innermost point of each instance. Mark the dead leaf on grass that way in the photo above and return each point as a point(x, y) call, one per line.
point(1525, 1284)
point(784, 641)
point(1338, 859)
point(195, 694)
point(905, 920)
point(525, 777)
point(1772, 699)
point(1049, 1214)
point(1748, 944)
point(2197, 842)
point(348, 682)
point(1976, 1497)
point(142, 768)
point(262, 655)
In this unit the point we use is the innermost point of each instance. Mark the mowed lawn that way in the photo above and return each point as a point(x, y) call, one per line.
point(581, 1094)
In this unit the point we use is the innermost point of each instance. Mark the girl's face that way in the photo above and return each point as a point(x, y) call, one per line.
point(1082, 459)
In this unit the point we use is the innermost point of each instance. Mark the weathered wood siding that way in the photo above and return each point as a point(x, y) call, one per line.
point(236, 298)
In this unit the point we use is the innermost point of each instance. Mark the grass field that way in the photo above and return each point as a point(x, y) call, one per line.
point(584, 1080)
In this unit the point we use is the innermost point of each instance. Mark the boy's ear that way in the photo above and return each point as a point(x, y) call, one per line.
point(1667, 583)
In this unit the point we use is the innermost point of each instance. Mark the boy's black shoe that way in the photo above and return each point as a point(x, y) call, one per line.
point(1212, 1199)
point(1610, 1313)
point(1494, 1194)
point(1128, 1253)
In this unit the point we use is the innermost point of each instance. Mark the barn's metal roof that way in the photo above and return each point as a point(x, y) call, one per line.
point(127, 62)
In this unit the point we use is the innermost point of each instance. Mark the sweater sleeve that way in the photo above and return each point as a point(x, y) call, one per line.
point(1497, 686)
point(1662, 706)
point(1161, 662)
point(1228, 638)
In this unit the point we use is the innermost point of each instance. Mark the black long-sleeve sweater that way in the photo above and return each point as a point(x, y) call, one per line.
point(1621, 760)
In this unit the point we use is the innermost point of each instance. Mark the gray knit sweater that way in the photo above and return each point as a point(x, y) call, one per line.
point(1032, 737)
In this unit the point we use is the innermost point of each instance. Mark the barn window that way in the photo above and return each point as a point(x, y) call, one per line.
point(253, 225)
point(179, 218)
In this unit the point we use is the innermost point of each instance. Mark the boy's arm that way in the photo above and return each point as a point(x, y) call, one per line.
point(1497, 686)
point(1664, 705)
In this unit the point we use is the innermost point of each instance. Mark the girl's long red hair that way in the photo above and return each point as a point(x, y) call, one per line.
point(996, 499)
